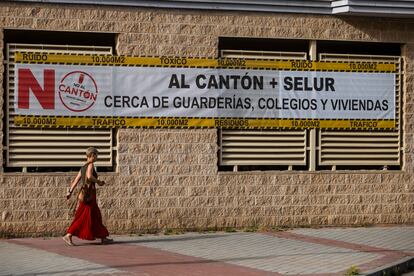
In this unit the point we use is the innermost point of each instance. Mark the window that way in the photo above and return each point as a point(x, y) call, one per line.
point(312, 149)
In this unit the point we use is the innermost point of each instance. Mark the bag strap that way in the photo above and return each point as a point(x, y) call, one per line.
point(72, 206)
point(83, 174)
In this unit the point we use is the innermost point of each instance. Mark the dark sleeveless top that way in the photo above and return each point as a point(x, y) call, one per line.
point(89, 184)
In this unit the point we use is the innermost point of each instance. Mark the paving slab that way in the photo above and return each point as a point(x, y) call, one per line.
point(262, 252)
point(322, 252)
point(393, 238)
point(23, 260)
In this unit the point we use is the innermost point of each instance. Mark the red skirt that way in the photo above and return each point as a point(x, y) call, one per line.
point(87, 224)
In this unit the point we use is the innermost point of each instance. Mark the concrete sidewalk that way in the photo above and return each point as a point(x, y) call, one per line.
point(326, 251)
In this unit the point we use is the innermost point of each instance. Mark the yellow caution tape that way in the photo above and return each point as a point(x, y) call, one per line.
point(183, 62)
point(226, 123)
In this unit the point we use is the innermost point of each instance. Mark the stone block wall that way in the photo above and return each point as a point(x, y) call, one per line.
point(169, 178)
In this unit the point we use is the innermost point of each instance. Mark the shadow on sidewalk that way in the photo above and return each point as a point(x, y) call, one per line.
point(160, 239)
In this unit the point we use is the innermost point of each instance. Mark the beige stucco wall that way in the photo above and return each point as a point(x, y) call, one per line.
point(169, 178)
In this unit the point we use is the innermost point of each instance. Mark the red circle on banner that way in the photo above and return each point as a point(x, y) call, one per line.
point(78, 91)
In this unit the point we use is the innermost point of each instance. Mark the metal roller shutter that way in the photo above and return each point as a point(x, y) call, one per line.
point(45, 147)
point(263, 147)
point(363, 148)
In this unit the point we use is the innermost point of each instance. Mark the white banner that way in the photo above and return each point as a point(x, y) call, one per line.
point(112, 91)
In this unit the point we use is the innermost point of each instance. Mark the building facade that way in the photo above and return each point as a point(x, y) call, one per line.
point(210, 178)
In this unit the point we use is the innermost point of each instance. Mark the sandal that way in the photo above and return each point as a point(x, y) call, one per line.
point(68, 241)
point(106, 240)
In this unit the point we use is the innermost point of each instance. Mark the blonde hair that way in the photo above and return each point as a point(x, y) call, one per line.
point(90, 151)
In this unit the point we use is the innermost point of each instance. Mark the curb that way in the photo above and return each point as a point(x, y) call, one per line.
point(397, 268)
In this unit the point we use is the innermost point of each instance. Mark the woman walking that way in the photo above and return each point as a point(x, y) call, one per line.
point(87, 224)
